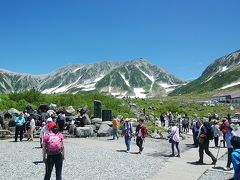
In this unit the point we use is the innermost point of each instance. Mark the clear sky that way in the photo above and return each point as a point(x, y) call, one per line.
point(181, 36)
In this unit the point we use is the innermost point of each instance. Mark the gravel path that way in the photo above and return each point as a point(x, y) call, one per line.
point(218, 172)
point(90, 158)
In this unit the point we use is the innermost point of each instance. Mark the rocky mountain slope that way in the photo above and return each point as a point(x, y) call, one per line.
point(136, 78)
point(223, 74)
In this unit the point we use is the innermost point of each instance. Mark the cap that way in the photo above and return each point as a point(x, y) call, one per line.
point(51, 125)
point(49, 119)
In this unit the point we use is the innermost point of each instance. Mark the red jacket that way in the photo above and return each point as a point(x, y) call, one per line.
point(223, 127)
point(143, 130)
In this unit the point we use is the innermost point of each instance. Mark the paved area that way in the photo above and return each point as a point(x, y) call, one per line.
point(185, 167)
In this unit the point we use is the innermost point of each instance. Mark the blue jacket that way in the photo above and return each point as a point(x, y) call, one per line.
point(20, 121)
point(236, 162)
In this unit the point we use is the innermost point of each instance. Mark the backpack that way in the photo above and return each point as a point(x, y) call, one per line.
point(209, 131)
point(54, 144)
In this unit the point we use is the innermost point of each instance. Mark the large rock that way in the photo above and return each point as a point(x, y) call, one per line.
point(107, 122)
point(104, 130)
point(52, 106)
point(70, 110)
point(155, 135)
point(13, 112)
point(91, 126)
point(84, 131)
point(96, 120)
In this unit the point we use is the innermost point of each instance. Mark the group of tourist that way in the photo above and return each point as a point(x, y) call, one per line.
point(127, 132)
point(204, 131)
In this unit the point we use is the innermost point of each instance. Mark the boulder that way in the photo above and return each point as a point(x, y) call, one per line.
point(96, 120)
point(52, 106)
point(84, 131)
point(70, 110)
point(104, 130)
point(155, 135)
point(107, 122)
point(13, 112)
point(97, 125)
point(91, 126)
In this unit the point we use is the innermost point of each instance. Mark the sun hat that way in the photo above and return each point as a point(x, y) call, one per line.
point(49, 119)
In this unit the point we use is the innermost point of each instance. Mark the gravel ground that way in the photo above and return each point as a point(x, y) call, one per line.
point(92, 158)
point(218, 173)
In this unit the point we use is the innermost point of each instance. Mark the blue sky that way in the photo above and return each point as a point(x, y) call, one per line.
point(181, 36)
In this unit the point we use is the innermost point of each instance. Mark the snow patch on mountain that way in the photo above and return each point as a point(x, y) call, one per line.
point(224, 68)
point(125, 80)
point(139, 93)
point(230, 85)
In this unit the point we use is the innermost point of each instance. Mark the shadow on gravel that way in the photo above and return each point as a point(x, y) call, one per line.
point(191, 146)
point(134, 152)
point(37, 147)
point(197, 164)
point(37, 162)
point(218, 168)
point(121, 150)
point(158, 154)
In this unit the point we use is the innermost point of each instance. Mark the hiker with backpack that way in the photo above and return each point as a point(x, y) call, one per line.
point(53, 152)
point(61, 119)
point(174, 139)
point(141, 133)
point(204, 137)
point(127, 133)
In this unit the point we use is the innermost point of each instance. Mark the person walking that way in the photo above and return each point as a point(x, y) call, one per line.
point(216, 132)
point(235, 156)
point(195, 131)
point(115, 126)
point(174, 139)
point(223, 128)
point(127, 133)
point(204, 138)
point(230, 133)
point(31, 128)
point(20, 121)
point(53, 153)
point(141, 133)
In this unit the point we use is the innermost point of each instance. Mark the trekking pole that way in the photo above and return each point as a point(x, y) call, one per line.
point(218, 152)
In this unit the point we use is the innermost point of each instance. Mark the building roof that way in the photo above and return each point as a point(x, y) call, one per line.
point(235, 94)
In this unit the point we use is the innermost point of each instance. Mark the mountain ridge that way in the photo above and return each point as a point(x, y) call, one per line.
point(116, 78)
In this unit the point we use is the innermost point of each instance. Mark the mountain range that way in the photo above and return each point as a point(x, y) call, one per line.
point(136, 78)
point(222, 75)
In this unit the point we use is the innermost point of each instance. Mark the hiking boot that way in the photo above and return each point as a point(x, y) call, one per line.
point(171, 155)
point(177, 155)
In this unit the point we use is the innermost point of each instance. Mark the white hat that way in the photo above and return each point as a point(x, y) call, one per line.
point(49, 119)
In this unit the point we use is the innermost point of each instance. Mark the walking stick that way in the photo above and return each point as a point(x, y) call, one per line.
point(218, 152)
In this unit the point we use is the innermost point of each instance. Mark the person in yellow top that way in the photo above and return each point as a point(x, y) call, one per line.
point(115, 126)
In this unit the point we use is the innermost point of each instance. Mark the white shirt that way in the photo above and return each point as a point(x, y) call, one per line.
point(32, 123)
point(175, 133)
